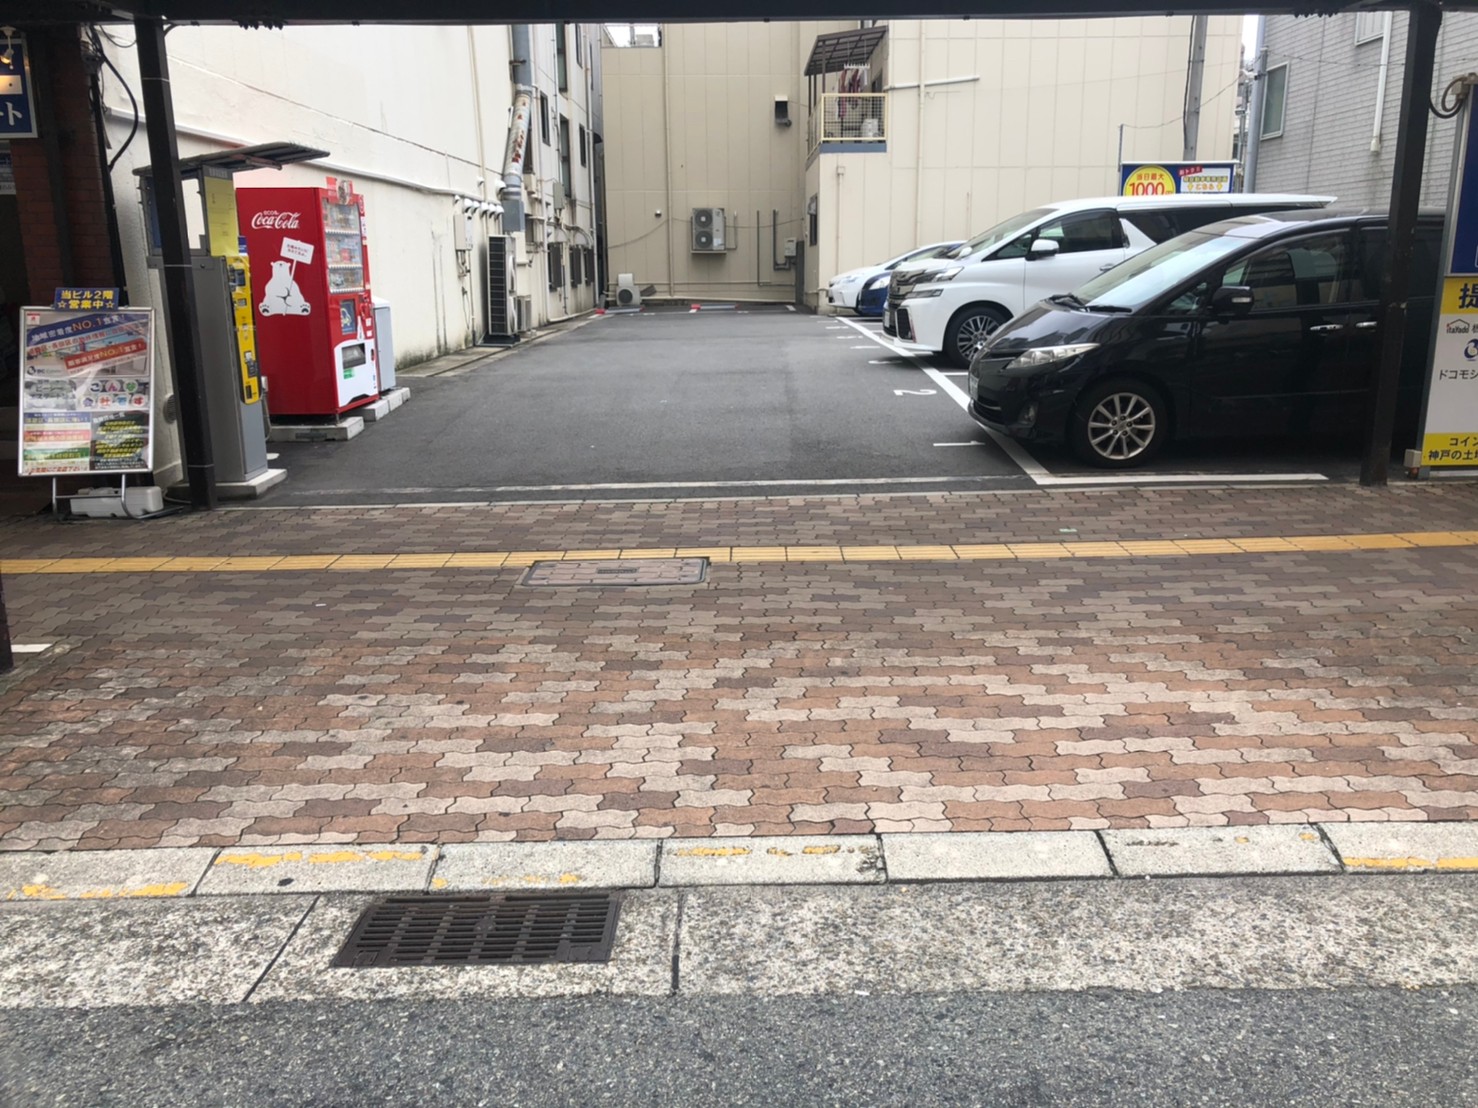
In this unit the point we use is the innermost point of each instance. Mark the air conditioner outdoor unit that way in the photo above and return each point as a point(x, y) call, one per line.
point(523, 313)
point(627, 294)
point(708, 230)
point(559, 195)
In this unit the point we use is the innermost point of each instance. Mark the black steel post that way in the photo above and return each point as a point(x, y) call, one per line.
point(7, 657)
point(1411, 145)
point(179, 283)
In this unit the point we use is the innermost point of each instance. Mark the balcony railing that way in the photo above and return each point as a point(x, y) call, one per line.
point(850, 117)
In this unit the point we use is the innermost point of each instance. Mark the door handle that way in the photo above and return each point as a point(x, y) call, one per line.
point(1367, 325)
point(1323, 328)
point(1106, 268)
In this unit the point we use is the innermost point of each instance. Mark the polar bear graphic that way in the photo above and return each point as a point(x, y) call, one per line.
point(282, 295)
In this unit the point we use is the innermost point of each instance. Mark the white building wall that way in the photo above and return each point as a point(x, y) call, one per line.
point(1031, 115)
point(416, 117)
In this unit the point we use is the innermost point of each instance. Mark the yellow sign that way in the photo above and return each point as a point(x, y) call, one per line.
point(1149, 180)
point(1450, 437)
point(220, 216)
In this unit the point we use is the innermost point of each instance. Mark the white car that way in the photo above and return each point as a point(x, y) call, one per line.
point(844, 288)
point(952, 304)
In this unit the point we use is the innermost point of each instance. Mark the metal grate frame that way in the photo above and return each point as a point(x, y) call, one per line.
point(473, 930)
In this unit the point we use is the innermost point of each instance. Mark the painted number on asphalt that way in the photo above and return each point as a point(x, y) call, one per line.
point(913, 392)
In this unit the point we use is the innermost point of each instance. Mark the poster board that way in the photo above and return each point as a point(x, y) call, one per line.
point(1449, 431)
point(1176, 178)
point(86, 392)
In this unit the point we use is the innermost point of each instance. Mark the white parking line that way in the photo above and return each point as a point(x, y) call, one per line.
point(1047, 479)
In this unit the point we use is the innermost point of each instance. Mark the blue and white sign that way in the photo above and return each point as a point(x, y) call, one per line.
point(1463, 260)
point(17, 105)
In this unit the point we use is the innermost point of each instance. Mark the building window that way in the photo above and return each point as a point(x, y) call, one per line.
point(1274, 100)
point(579, 47)
point(584, 145)
point(1369, 27)
point(561, 63)
point(813, 223)
point(565, 175)
point(589, 266)
point(556, 267)
point(544, 118)
point(576, 257)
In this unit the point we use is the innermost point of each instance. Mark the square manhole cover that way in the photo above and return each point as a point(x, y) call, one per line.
point(619, 571)
point(507, 928)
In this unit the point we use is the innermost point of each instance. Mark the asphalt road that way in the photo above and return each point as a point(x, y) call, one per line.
point(1203, 1047)
point(674, 403)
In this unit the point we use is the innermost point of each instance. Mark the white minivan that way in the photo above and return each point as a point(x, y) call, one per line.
point(953, 303)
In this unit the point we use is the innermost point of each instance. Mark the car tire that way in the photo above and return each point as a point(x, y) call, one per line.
point(969, 328)
point(1119, 424)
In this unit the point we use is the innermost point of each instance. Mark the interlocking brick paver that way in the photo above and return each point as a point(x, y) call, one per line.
point(866, 688)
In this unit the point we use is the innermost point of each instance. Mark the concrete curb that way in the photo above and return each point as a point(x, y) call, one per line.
point(1288, 849)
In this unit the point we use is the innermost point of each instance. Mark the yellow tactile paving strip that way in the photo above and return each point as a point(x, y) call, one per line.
point(1017, 551)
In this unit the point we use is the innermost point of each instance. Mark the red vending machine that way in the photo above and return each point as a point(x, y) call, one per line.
point(310, 279)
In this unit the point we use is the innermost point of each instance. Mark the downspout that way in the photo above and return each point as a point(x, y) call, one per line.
point(1380, 87)
point(667, 162)
point(918, 161)
point(1259, 87)
point(511, 195)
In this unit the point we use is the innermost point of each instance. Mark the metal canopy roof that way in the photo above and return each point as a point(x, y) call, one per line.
point(836, 51)
point(268, 155)
point(277, 12)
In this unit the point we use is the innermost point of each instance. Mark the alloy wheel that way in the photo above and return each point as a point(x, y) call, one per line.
point(974, 331)
point(1121, 426)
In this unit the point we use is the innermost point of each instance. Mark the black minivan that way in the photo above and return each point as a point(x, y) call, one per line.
point(1259, 325)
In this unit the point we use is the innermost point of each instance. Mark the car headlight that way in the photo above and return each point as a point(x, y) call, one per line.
point(1047, 355)
point(923, 294)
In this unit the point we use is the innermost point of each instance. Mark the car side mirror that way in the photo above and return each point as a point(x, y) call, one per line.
point(1231, 300)
point(1042, 248)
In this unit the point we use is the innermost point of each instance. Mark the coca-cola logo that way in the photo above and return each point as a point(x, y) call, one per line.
point(275, 221)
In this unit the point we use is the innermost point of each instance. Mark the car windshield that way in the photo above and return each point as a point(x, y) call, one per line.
point(917, 255)
point(1001, 232)
point(1151, 274)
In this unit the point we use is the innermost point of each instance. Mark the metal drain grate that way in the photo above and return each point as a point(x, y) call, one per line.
point(508, 929)
point(618, 571)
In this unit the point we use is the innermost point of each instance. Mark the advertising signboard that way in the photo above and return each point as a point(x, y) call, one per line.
point(1172, 178)
point(87, 385)
point(17, 111)
point(1449, 433)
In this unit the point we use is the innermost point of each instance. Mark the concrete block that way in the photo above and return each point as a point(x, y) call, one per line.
point(396, 397)
point(252, 489)
point(1405, 847)
point(779, 860)
point(318, 869)
point(103, 874)
point(345, 429)
point(373, 413)
point(140, 952)
point(640, 965)
point(1285, 848)
point(994, 856)
point(553, 865)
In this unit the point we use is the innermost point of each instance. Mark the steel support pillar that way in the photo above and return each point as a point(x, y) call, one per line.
point(179, 284)
point(1411, 147)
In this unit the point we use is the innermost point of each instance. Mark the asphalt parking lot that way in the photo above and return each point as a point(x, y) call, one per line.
point(749, 401)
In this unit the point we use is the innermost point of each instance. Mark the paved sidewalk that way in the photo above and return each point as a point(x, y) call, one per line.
point(1164, 686)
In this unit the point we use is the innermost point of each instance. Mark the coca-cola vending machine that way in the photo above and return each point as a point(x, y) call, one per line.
point(315, 320)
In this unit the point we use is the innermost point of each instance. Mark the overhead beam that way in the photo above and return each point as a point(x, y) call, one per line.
point(275, 12)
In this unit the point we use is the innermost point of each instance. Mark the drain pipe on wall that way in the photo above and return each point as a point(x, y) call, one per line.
point(1254, 107)
point(511, 195)
point(1380, 84)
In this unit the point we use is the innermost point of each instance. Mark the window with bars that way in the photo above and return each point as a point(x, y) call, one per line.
point(556, 266)
point(577, 259)
point(544, 118)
